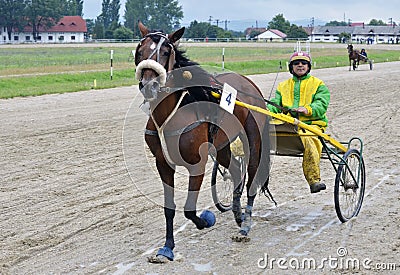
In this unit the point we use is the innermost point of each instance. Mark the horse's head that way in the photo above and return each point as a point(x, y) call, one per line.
point(349, 48)
point(155, 56)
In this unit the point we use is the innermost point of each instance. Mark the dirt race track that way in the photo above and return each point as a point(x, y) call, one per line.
point(79, 194)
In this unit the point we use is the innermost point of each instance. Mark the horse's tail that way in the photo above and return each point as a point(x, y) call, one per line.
point(265, 160)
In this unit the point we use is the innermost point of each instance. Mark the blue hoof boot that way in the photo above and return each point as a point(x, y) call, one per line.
point(166, 252)
point(209, 217)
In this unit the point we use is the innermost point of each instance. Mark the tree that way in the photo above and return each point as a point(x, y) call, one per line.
point(98, 29)
point(375, 22)
point(12, 13)
point(280, 23)
point(109, 18)
point(109, 33)
point(123, 33)
point(90, 26)
point(135, 10)
point(344, 36)
point(42, 14)
point(336, 23)
point(296, 32)
point(197, 30)
point(155, 14)
point(204, 29)
point(72, 7)
point(110, 12)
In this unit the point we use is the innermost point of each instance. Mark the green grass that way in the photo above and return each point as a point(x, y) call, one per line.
point(43, 57)
point(46, 70)
point(63, 83)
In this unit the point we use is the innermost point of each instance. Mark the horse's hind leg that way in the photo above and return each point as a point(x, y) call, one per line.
point(224, 158)
point(258, 170)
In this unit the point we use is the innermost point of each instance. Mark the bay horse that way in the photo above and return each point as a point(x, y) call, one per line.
point(355, 56)
point(186, 123)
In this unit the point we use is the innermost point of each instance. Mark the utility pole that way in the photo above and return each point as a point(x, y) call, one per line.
point(210, 20)
point(226, 24)
point(312, 28)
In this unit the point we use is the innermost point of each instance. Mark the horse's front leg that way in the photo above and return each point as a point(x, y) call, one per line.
point(166, 172)
point(257, 172)
point(165, 253)
point(207, 218)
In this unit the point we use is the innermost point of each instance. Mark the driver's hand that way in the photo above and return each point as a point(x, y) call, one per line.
point(302, 110)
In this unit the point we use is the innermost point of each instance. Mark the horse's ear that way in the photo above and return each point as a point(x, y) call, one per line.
point(175, 36)
point(143, 29)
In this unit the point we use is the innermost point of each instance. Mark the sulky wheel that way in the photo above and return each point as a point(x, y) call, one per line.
point(349, 185)
point(222, 185)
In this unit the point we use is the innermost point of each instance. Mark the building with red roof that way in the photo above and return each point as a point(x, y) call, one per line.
point(70, 29)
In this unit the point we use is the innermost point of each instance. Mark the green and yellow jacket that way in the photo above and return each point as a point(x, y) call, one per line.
point(307, 91)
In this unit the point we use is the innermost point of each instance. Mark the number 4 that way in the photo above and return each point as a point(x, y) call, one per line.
point(229, 99)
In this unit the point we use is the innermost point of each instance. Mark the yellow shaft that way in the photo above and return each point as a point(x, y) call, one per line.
point(291, 120)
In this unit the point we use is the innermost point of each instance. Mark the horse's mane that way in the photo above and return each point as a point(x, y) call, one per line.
point(199, 75)
point(181, 59)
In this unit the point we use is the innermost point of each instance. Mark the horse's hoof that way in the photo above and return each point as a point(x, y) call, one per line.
point(164, 255)
point(159, 259)
point(208, 217)
point(239, 238)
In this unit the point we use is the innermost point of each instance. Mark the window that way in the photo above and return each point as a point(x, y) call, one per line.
point(39, 38)
point(73, 38)
point(50, 38)
point(27, 38)
point(16, 38)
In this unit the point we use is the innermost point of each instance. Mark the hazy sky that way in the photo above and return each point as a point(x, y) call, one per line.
point(263, 11)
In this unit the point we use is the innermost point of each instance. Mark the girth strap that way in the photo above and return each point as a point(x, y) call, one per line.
point(176, 132)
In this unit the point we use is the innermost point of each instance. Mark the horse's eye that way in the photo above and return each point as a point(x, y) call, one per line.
point(166, 53)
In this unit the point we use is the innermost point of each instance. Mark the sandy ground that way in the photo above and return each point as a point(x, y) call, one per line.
point(79, 193)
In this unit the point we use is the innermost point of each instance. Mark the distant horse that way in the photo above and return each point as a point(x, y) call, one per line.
point(355, 56)
point(186, 122)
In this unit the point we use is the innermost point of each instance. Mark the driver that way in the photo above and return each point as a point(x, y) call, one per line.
point(364, 53)
point(309, 97)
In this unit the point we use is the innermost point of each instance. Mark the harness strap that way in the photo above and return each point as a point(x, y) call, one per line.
point(176, 132)
point(160, 129)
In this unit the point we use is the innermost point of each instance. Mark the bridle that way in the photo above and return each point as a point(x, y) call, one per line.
point(155, 65)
